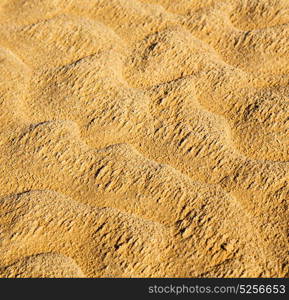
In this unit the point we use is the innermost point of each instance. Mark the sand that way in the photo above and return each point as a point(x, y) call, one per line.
point(144, 138)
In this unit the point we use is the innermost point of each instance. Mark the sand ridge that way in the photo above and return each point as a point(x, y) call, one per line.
point(144, 138)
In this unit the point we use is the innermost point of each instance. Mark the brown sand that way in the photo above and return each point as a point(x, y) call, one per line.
point(144, 138)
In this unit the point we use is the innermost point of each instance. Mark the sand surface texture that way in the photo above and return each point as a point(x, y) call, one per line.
point(144, 138)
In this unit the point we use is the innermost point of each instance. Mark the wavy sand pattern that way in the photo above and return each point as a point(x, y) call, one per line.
point(144, 138)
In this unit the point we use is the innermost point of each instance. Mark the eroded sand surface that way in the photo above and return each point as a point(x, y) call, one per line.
point(144, 138)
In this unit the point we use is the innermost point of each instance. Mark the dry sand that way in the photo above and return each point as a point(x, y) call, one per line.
point(144, 138)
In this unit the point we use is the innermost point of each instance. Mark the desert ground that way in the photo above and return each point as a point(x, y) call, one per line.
point(144, 138)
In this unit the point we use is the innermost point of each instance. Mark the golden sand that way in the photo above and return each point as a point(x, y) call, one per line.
point(144, 138)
